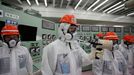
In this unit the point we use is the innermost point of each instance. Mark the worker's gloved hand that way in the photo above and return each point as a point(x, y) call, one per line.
point(99, 51)
point(99, 54)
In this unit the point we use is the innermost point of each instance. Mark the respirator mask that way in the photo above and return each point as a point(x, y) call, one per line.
point(11, 40)
point(71, 32)
point(127, 43)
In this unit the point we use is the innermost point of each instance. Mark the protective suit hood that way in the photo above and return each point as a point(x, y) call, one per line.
point(63, 35)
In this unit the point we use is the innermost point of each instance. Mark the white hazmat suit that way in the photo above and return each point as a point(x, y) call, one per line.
point(128, 55)
point(15, 61)
point(64, 57)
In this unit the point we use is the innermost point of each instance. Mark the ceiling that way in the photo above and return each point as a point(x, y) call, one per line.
point(114, 7)
point(93, 22)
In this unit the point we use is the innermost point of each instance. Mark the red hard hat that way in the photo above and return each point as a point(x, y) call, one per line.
point(100, 35)
point(128, 38)
point(111, 36)
point(9, 29)
point(68, 19)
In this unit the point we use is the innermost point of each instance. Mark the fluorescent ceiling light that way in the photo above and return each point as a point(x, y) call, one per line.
point(118, 10)
point(45, 1)
point(130, 14)
point(93, 4)
point(85, 4)
point(111, 7)
point(28, 2)
point(118, 26)
point(19, 1)
point(115, 8)
point(78, 4)
point(37, 2)
point(100, 5)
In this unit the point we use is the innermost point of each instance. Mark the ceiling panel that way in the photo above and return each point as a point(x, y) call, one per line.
point(71, 4)
point(84, 4)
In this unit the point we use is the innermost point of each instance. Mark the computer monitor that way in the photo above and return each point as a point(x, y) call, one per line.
point(27, 33)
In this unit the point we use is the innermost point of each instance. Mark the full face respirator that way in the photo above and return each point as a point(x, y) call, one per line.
point(11, 41)
point(71, 32)
point(127, 43)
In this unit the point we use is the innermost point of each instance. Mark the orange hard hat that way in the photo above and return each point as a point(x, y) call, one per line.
point(68, 19)
point(111, 36)
point(9, 29)
point(100, 35)
point(128, 38)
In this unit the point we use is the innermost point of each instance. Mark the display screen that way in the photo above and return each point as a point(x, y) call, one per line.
point(27, 33)
point(111, 29)
point(117, 29)
point(127, 29)
point(104, 29)
point(48, 25)
point(86, 28)
point(95, 29)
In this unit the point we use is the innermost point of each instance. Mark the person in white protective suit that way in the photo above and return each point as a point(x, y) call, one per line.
point(96, 63)
point(14, 59)
point(111, 61)
point(126, 48)
point(64, 56)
